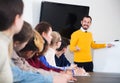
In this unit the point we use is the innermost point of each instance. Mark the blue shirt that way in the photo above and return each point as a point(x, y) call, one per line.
point(44, 61)
point(20, 76)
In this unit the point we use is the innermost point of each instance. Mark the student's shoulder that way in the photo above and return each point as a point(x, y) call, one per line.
point(42, 58)
point(3, 45)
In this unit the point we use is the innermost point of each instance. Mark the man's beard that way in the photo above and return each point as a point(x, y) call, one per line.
point(85, 28)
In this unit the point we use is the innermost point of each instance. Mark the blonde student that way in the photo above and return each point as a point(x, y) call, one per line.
point(55, 44)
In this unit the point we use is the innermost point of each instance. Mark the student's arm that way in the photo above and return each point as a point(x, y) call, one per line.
point(44, 61)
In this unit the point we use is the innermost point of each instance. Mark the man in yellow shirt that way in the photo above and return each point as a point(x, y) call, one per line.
point(81, 43)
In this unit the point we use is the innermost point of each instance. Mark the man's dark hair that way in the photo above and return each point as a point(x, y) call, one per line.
point(64, 43)
point(87, 17)
point(8, 11)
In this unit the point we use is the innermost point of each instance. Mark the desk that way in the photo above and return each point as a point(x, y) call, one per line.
point(99, 78)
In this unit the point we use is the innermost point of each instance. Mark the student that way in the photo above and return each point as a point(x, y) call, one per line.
point(10, 23)
point(55, 44)
point(45, 30)
point(60, 59)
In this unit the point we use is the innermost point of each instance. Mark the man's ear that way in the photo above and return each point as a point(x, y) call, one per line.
point(81, 22)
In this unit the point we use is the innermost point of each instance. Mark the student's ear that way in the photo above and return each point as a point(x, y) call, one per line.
point(43, 34)
point(64, 49)
point(57, 43)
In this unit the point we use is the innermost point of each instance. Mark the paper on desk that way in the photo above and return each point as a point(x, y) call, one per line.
point(85, 74)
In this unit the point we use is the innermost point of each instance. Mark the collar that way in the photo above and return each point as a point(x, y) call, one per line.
point(82, 29)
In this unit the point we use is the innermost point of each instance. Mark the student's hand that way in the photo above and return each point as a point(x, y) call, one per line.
point(110, 45)
point(68, 75)
point(80, 72)
point(72, 66)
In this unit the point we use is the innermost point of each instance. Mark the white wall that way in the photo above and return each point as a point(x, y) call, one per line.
point(105, 13)
point(107, 59)
point(106, 20)
point(28, 11)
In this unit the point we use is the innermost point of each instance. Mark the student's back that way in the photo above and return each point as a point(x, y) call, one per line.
point(5, 70)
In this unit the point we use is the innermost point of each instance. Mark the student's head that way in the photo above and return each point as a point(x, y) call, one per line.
point(86, 22)
point(56, 39)
point(45, 30)
point(21, 39)
point(64, 43)
point(11, 15)
point(35, 45)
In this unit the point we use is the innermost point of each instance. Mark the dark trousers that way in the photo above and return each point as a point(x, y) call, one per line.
point(88, 66)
